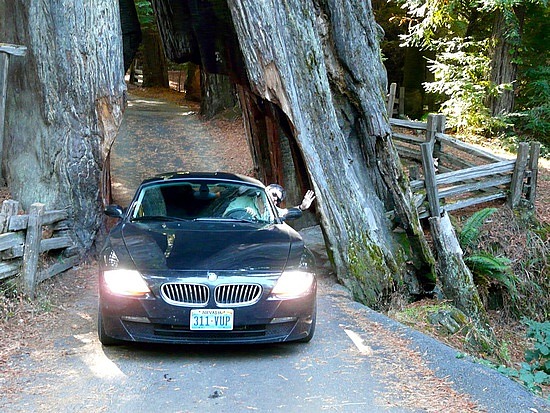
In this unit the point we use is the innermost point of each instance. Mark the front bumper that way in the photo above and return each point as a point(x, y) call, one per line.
point(153, 320)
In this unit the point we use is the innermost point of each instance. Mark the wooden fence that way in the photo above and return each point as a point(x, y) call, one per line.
point(37, 245)
point(468, 175)
point(395, 103)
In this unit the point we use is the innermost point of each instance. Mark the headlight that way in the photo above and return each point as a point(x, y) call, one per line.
point(293, 284)
point(125, 282)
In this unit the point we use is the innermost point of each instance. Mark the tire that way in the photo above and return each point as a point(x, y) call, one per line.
point(103, 337)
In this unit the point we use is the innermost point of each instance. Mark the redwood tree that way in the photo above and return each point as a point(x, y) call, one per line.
point(64, 104)
point(319, 62)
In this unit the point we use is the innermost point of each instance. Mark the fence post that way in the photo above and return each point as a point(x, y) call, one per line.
point(516, 186)
point(429, 179)
point(32, 248)
point(401, 102)
point(391, 100)
point(9, 207)
point(534, 172)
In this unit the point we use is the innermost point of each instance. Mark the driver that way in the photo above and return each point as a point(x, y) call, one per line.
point(249, 201)
point(278, 195)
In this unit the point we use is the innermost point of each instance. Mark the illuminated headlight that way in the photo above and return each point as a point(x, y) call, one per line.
point(293, 284)
point(125, 282)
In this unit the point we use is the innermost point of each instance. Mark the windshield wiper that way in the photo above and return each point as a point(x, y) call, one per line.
point(157, 218)
point(226, 219)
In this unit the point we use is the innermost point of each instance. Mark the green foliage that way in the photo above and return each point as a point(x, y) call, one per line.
point(145, 12)
point(532, 120)
point(471, 228)
point(461, 71)
point(459, 34)
point(486, 268)
point(535, 371)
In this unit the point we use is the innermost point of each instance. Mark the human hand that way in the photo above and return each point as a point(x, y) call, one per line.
point(309, 197)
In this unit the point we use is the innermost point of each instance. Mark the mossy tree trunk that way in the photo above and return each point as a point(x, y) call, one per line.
point(312, 89)
point(319, 62)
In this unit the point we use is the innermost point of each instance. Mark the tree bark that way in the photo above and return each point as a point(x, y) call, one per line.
point(155, 66)
point(503, 70)
point(65, 104)
point(319, 62)
point(131, 31)
point(455, 277)
point(218, 94)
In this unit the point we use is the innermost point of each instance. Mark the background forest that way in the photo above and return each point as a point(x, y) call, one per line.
point(485, 65)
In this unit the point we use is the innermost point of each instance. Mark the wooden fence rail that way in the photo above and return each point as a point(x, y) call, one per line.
point(37, 245)
point(469, 175)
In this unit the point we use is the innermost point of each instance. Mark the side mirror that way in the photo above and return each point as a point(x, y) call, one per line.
point(292, 213)
point(114, 211)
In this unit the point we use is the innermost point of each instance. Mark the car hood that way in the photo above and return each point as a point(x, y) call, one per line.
point(210, 246)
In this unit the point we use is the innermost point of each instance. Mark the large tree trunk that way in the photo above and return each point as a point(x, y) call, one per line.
point(131, 31)
point(155, 66)
point(503, 70)
point(65, 103)
point(319, 62)
point(218, 95)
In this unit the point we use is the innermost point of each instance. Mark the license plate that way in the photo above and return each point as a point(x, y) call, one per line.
point(211, 319)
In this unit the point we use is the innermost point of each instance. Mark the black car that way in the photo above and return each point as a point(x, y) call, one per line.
point(204, 258)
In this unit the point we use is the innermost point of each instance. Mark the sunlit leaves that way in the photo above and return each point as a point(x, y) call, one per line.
point(461, 72)
point(145, 12)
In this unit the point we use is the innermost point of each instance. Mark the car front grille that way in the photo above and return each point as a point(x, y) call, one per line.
point(225, 295)
point(185, 294)
point(230, 295)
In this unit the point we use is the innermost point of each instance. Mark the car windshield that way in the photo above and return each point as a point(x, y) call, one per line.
point(202, 200)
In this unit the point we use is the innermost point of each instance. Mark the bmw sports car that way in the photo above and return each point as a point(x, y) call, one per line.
point(204, 258)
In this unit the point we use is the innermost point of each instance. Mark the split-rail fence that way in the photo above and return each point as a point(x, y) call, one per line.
point(448, 174)
point(35, 246)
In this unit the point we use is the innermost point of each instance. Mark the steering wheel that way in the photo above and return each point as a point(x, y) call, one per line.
point(239, 213)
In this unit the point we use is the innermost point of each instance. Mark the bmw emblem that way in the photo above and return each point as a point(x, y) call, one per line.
point(212, 276)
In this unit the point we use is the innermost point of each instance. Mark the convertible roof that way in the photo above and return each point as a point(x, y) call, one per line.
point(185, 175)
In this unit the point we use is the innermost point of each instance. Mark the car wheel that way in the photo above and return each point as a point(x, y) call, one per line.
point(103, 337)
point(311, 333)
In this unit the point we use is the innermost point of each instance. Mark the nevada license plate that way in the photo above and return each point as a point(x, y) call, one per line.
point(211, 319)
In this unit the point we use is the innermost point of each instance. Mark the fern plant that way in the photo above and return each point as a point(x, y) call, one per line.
point(486, 268)
point(469, 233)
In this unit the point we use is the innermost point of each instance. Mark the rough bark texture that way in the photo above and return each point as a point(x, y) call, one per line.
point(131, 31)
point(218, 94)
point(455, 277)
point(319, 62)
point(65, 103)
point(201, 32)
point(176, 30)
point(503, 70)
point(313, 83)
point(312, 89)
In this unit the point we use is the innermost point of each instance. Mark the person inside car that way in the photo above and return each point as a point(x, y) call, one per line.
point(278, 195)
